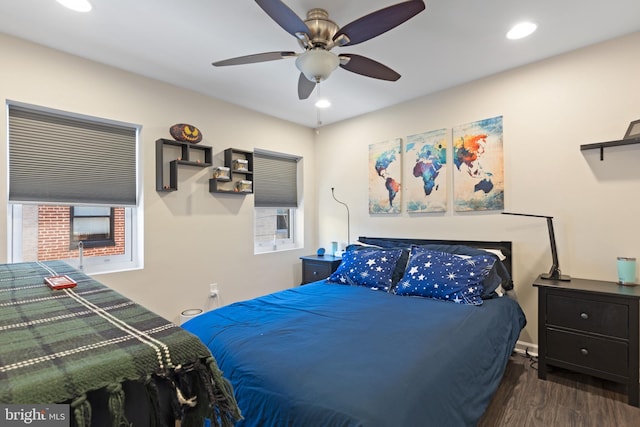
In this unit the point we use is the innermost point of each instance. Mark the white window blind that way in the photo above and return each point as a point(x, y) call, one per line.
point(275, 180)
point(57, 158)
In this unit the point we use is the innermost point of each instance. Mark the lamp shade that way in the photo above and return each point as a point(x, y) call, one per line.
point(317, 64)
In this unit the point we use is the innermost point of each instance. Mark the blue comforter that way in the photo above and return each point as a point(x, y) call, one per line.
point(332, 355)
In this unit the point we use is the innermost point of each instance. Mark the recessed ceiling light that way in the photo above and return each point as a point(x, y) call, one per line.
point(521, 30)
point(77, 5)
point(323, 103)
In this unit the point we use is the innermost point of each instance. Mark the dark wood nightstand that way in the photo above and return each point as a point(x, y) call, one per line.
point(592, 327)
point(316, 267)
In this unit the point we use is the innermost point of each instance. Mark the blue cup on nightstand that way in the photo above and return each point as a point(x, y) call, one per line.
point(626, 270)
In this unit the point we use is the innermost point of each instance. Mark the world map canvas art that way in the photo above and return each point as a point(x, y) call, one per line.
point(385, 172)
point(478, 175)
point(425, 186)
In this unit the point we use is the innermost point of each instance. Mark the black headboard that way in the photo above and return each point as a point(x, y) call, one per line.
point(503, 246)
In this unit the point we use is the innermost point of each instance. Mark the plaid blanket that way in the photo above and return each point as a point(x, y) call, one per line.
point(58, 345)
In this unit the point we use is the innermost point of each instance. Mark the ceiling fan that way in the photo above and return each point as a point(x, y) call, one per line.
point(317, 35)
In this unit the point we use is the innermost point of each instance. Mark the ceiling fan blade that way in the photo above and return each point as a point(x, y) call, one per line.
point(305, 87)
point(258, 57)
point(367, 67)
point(284, 16)
point(379, 22)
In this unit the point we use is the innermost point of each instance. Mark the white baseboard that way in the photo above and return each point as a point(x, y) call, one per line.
point(526, 348)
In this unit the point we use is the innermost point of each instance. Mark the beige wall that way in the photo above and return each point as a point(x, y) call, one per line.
point(550, 108)
point(192, 237)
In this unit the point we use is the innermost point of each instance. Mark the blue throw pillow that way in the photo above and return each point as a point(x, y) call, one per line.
point(372, 268)
point(400, 264)
point(496, 277)
point(445, 276)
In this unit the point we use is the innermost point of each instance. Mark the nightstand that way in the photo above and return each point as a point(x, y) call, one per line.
point(592, 327)
point(316, 267)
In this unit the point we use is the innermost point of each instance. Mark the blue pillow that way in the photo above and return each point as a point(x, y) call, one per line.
point(400, 264)
point(368, 267)
point(445, 276)
point(496, 277)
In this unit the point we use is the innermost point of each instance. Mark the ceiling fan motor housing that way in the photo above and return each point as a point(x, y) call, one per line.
point(321, 29)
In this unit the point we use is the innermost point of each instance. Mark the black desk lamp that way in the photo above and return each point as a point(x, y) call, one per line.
point(554, 272)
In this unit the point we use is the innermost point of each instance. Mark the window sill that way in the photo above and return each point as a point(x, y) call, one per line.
point(263, 251)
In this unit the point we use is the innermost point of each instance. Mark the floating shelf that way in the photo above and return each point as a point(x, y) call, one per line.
point(602, 145)
point(189, 155)
point(233, 184)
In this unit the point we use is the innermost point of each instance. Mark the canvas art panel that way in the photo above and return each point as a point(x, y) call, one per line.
point(478, 175)
point(425, 183)
point(385, 171)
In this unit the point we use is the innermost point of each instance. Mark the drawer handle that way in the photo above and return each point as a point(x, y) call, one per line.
point(585, 316)
point(584, 351)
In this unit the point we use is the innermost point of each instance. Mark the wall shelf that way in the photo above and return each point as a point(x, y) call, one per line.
point(602, 145)
point(240, 179)
point(183, 153)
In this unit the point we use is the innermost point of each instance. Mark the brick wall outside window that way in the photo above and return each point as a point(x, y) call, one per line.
point(54, 234)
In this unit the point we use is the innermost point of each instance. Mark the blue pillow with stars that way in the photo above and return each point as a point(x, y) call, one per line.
point(445, 276)
point(372, 268)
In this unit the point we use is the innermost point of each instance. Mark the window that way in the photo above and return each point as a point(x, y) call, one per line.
point(276, 202)
point(73, 178)
point(92, 225)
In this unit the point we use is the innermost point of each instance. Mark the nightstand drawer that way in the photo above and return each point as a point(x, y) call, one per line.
point(318, 267)
point(589, 315)
point(601, 354)
point(316, 271)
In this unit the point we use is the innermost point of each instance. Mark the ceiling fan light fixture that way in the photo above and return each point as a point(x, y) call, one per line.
point(76, 5)
point(317, 64)
point(521, 30)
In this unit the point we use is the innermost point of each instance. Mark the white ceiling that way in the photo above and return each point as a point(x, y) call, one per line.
point(450, 43)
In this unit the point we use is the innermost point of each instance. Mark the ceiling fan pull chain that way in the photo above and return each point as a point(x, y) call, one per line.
point(319, 97)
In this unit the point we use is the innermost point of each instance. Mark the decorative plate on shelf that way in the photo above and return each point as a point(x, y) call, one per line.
point(185, 133)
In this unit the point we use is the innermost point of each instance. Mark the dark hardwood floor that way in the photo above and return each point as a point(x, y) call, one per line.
point(565, 399)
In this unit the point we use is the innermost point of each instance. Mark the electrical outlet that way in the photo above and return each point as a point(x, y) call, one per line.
point(213, 290)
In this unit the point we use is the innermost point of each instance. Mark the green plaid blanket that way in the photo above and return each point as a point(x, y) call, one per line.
point(58, 345)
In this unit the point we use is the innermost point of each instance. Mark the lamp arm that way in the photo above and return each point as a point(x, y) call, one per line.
point(554, 272)
point(348, 218)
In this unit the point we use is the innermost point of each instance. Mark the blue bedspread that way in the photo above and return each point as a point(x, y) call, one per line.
point(331, 355)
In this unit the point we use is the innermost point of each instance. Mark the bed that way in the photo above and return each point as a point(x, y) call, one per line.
point(363, 349)
point(102, 358)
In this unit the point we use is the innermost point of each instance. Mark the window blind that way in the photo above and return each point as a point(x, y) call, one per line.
point(276, 180)
point(56, 158)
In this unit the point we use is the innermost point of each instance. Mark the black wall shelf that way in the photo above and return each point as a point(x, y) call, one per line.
point(189, 154)
point(229, 185)
point(602, 145)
